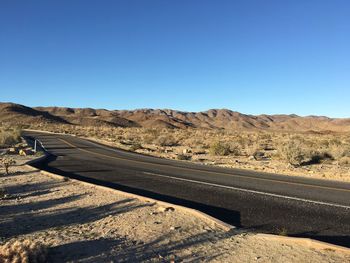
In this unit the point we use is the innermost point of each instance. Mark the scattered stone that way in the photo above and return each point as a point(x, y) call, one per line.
point(13, 150)
point(165, 209)
point(25, 152)
point(187, 150)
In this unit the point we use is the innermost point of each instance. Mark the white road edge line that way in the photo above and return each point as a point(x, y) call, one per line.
point(249, 191)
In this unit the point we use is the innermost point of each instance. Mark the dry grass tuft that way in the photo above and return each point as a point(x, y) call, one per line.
point(9, 136)
point(166, 140)
point(23, 251)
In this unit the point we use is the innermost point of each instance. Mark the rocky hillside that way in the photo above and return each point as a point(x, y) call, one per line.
point(212, 119)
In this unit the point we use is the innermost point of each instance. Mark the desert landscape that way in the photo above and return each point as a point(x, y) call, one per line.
point(115, 227)
point(174, 131)
point(317, 147)
point(49, 218)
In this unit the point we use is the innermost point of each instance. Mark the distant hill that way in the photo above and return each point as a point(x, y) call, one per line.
point(166, 118)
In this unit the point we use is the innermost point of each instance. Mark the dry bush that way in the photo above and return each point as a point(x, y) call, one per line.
point(235, 149)
point(294, 152)
point(252, 149)
point(219, 148)
point(150, 135)
point(166, 140)
point(298, 151)
point(135, 146)
point(9, 136)
point(340, 151)
point(23, 251)
point(6, 163)
point(184, 157)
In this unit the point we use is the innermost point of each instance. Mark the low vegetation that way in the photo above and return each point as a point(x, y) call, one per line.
point(6, 163)
point(9, 136)
point(184, 157)
point(220, 148)
point(23, 251)
point(242, 149)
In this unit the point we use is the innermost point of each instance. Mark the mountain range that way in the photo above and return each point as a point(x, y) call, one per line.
point(167, 118)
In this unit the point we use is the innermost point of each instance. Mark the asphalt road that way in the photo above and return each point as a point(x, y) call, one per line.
point(258, 201)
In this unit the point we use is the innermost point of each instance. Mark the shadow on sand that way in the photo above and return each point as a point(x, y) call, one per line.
point(43, 215)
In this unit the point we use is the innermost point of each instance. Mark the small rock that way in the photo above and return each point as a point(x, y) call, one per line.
point(165, 209)
point(185, 151)
point(25, 152)
point(13, 150)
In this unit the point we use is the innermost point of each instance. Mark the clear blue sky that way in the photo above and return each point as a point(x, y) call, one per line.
point(250, 56)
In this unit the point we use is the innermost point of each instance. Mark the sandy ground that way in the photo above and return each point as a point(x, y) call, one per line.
point(81, 223)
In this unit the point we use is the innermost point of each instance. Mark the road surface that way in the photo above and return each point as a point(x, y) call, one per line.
point(269, 203)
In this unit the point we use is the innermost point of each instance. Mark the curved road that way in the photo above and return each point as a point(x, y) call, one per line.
point(269, 203)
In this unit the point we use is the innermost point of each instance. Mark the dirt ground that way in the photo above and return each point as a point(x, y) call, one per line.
point(82, 223)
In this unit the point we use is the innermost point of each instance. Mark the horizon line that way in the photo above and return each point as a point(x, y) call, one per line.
point(184, 111)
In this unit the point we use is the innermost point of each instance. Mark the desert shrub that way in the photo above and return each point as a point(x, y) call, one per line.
point(6, 163)
point(166, 140)
point(149, 138)
point(334, 141)
point(219, 148)
point(264, 136)
point(243, 141)
point(297, 153)
point(339, 151)
point(184, 157)
point(9, 136)
point(23, 251)
point(235, 149)
point(150, 135)
point(192, 141)
point(135, 146)
point(294, 153)
point(252, 149)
